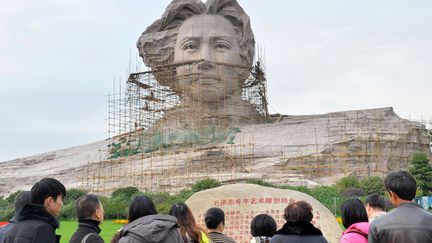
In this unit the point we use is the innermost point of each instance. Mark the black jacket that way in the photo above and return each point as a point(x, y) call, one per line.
point(407, 223)
point(4, 230)
point(300, 232)
point(35, 225)
point(85, 227)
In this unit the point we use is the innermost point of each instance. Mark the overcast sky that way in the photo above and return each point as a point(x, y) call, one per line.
point(58, 60)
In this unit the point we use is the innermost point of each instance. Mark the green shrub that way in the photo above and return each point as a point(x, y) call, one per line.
point(347, 182)
point(297, 188)
point(68, 211)
point(3, 202)
point(205, 184)
point(260, 182)
point(116, 207)
point(329, 196)
point(6, 212)
point(72, 195)
point(372, 185)
point(161, 200)
point(353, 192)
point(12, 197)
point(183, 195)
point(125, 192)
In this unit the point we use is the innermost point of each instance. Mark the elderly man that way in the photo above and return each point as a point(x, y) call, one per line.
point(90, 214)
point(409, 222)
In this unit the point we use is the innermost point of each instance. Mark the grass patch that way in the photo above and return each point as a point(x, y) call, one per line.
point(68, 227)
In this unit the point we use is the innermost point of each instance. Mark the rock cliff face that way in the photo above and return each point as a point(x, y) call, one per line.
point(298, 150)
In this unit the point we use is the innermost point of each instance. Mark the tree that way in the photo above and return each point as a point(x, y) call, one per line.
point(422, 171)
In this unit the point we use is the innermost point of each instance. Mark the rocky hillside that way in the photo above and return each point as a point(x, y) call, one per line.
point(299, 150)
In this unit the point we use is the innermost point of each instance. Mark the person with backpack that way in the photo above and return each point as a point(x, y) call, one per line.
point(146, 225)
point(355, 220)
point(90, 214)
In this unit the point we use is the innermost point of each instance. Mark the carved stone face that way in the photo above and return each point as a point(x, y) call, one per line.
point(208, 41)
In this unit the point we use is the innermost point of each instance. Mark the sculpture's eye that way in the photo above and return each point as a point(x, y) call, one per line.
point(222, 45)
point(190, 46)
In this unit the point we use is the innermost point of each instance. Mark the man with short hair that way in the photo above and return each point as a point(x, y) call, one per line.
point(37, 220)
point(22, 199)
point(375, 206)
point(215, 222)
point(409, 222)
point(90, 214)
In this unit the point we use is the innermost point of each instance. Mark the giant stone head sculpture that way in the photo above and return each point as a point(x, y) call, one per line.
point(210, 47)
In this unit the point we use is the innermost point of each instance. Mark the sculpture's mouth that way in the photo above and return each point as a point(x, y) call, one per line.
point(205, 79)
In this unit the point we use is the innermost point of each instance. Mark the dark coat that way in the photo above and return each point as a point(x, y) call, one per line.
point(299, 232)
point(35, 225)
point(5, 229)
point(407, 223)
point(85, 227)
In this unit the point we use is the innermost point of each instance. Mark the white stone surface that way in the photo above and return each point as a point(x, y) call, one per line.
point(242, 202)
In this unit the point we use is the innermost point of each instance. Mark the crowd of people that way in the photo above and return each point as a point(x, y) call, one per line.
point(36, 212)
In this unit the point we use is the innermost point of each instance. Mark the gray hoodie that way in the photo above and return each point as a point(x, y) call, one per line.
point(151, 229)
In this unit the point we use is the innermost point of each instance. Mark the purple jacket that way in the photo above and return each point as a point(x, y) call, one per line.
point(356, 233)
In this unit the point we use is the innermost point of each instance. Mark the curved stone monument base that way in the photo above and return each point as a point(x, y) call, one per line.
point(242, 202)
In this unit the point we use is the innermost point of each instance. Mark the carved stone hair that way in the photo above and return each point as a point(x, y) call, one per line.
point(156, 44)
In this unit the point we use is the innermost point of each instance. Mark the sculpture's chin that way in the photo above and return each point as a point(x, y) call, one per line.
point(208, 96)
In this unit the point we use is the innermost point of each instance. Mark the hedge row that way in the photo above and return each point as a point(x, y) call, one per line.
point(117, 204)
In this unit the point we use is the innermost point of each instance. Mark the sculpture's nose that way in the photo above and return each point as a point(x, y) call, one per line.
point(206, 52)
point(205, 64)
point(206, 57)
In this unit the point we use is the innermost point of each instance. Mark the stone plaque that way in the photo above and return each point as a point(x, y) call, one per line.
point(242, 202)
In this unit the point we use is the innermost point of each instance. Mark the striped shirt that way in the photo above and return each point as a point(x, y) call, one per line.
point(217, 237)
